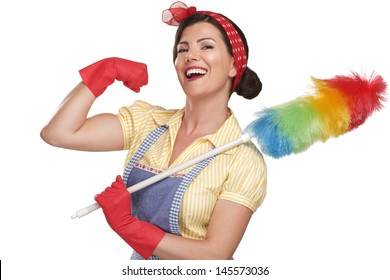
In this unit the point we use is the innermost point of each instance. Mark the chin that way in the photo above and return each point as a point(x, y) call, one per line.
point(193, 90)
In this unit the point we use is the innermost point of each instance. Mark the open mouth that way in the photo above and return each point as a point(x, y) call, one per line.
point(195, 73)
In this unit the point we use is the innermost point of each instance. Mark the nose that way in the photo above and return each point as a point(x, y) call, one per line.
point(192, 55)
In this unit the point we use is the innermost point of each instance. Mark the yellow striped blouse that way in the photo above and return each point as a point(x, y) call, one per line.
point(237, 175)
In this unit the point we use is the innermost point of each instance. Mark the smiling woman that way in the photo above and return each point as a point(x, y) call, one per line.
point(203, 64)
point(246, 82)
point(203, 211)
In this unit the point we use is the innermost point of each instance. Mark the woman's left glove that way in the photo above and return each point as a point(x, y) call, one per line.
point(115, 201)
point(99, 75)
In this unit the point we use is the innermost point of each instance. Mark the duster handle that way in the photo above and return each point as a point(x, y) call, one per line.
point(242, 139)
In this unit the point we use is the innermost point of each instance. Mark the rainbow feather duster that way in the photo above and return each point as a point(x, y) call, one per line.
point(337, 106)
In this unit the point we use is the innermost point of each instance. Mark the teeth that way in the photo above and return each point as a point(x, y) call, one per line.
point(195, 71)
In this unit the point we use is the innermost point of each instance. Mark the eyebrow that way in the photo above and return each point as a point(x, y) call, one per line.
point(198, 41)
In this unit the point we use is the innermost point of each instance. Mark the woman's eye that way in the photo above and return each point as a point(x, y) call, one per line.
point(182, 50)
point(207, 47)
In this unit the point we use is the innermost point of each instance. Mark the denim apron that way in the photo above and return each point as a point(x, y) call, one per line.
point(159, 203)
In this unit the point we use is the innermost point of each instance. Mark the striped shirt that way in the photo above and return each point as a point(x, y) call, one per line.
point(237, 175)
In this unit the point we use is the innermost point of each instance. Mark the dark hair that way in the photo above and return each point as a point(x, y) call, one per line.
point(250, 84)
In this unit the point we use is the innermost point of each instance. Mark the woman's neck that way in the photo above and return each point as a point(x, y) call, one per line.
point(203, 118)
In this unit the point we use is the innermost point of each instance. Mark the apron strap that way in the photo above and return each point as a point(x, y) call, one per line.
point(175, 207)
point(146, 144)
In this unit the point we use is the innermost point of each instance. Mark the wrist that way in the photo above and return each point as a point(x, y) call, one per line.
point(121, 224)
point(99, 75)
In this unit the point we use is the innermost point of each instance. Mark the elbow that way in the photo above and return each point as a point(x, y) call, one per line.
point(46, 136)
point(50, 137)
point(219, 253)
point(222, 256)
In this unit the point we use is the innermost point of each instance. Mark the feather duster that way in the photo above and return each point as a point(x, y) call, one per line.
point(336, 106)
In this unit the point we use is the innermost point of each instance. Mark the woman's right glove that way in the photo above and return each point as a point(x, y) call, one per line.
point(115, 201)
point(99, 75)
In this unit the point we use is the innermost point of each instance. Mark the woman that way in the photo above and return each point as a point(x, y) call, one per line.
point(201, 213)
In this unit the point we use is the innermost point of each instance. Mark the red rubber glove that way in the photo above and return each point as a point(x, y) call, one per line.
point(99, 75)
point(115, 201)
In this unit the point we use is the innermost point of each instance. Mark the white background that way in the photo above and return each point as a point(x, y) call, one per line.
point(326, 215)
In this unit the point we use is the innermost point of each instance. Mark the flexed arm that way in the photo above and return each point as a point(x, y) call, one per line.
point(71, 128)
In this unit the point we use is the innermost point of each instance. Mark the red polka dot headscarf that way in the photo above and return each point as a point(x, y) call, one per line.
point(179, 12)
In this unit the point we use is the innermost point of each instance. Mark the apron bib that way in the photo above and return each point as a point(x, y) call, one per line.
point(159, 203)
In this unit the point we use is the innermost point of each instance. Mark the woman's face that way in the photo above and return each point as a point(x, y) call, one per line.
point(203, 64)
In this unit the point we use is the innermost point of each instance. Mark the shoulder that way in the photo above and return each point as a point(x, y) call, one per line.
point(141, 111)
point(249, 156)
point(247, 179)
point(140, 106)
point(140, 118)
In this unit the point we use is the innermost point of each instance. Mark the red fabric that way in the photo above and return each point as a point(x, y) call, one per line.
point(99, 75)
point(116, 204)
point(179, 12)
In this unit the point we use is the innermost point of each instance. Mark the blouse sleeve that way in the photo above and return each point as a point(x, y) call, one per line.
point(131, 118)
point(247, 180)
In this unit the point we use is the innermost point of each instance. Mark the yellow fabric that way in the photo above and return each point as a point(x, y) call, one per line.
point(237, 175)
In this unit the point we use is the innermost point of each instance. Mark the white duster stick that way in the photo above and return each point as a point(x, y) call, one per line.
point(244, 138)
